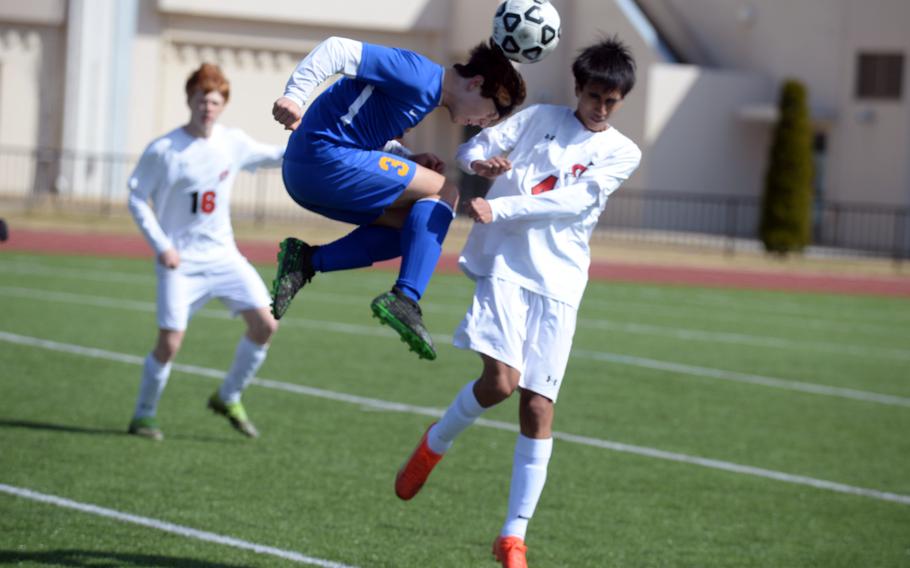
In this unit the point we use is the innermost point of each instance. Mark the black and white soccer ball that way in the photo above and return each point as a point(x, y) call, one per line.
point(526, 30)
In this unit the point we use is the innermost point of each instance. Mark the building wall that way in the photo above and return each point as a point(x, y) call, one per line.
point(693, 120)
point(817, 41)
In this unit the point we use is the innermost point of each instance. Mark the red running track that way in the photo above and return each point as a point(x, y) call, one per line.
point(133, 246)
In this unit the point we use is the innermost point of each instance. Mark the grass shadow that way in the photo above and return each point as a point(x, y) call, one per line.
point(93, 558)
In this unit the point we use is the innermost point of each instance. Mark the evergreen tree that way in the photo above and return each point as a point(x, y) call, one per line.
point(786, 216)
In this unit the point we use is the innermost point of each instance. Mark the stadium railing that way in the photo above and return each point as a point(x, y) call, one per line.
point(97, 183)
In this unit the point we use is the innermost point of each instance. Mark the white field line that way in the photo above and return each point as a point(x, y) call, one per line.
point(745, 339)
point(169, 527)
point(378, 404)
point(787, 318)
point(796, 309)
point(733, 376)
point(683, 334)
point(785, 309)
point(382, 331)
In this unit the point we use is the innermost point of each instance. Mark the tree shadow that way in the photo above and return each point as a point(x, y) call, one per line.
point(96, 559)
point(57, 427)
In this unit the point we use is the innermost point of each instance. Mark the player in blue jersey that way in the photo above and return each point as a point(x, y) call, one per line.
point(342, 162)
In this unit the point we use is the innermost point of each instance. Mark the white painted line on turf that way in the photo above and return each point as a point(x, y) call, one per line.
point(685, 334)
point(747, 378)
point(642, 300)
point(436, 412)
point(377, 331)
point(753, 340)
point(169, 527)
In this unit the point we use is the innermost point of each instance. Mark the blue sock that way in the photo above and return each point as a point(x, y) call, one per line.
point(361, 247)
point(421, 244)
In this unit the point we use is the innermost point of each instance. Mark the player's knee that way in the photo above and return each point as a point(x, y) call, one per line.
point(536, 413)
point(262, 331)
point(538, 407)
point(499, 383)
point(166, 350)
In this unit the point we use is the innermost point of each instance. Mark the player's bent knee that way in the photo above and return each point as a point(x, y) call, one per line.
point(536, 414)
point(261, 326)
point(538, 406)
point(425, 183)
point(167, 347)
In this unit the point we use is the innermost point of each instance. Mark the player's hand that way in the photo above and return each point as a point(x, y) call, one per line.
point(431, 161)
point(287, 112)
point(169, 258)
point(492, 167)
point(479, 209)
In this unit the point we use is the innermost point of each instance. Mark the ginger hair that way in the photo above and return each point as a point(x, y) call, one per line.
point(208, 78)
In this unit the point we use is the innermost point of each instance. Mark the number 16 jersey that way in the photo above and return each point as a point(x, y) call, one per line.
point(188, 181)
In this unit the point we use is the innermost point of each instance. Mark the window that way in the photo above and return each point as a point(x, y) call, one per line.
point(880, 76)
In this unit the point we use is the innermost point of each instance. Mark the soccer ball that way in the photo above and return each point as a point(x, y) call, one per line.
point(526, 30)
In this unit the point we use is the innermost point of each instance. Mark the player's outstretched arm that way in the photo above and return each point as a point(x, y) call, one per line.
point(331, 56)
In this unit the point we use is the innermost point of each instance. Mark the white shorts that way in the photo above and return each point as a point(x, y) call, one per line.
point(524, 330)
point(182, 293)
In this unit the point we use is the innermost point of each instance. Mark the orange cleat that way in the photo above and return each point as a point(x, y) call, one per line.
point(414, 473)
point(510, 552)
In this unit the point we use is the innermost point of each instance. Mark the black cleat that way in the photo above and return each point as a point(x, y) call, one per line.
point(295, 269)
point(404, 316)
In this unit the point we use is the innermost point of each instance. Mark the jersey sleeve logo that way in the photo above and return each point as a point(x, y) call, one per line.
point(387, 164)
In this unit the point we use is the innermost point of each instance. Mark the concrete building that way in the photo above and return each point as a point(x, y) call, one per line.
point(103, 77)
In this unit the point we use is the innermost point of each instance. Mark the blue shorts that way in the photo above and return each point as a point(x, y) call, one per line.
point(345, 184)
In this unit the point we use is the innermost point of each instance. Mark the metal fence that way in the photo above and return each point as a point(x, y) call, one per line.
point(99, 182)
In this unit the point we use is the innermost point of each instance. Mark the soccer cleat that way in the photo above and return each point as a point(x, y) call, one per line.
point(295, 269)
point(235, 413)
point(510, 551)
point(146, 427)
point(404, 316)
point(414, 473)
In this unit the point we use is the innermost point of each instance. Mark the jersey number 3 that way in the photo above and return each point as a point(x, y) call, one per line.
point(208, 202)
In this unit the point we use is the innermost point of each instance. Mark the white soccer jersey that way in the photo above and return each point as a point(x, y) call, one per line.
point(546, 207)
point(189, 181)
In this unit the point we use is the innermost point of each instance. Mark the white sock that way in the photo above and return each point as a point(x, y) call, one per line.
point(154, 378)
point(463, 411)
point(247, 360)
point(529, 473)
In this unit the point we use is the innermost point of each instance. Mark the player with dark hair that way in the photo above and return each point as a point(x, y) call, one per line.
point(342, 162)
point(528, 255)
point(187, 174)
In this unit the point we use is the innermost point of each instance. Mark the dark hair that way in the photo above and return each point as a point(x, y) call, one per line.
point(208, 78)
point(501, 81)
point(609, 63)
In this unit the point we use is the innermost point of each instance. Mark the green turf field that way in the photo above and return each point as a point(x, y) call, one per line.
point(697, 428)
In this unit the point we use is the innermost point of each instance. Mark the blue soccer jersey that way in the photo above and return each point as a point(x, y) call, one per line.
point(393, 91)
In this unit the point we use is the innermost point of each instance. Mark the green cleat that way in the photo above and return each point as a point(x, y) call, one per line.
point(146, 427)
point(295, 269)
point(404, 316)
point(235, 413)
